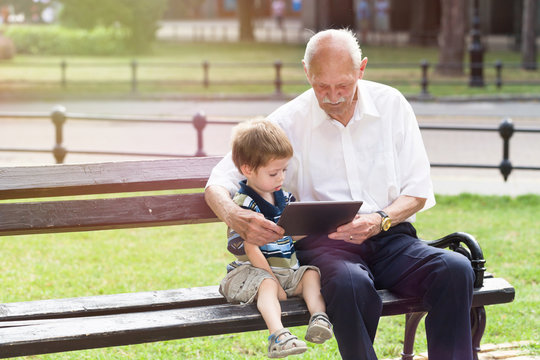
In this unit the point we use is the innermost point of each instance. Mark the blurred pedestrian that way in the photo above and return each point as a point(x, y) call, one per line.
point(5, 14)
point(363, 16)
point(296, 5)
point(382, 16)
point(278, 11)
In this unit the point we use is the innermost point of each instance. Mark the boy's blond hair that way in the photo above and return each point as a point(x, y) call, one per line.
point(256, 142)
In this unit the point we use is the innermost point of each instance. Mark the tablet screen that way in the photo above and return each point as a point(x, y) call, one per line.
point(317, 217)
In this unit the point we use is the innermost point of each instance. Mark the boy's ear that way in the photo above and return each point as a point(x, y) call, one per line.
point(246, 170)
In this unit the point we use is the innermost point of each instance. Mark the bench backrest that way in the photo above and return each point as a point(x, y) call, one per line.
point(42, 215)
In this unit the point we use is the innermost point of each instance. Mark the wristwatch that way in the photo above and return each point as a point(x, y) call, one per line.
point(385, 222)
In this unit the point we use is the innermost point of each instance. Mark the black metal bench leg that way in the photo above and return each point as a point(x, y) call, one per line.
point(478, 325)
point(411, 324)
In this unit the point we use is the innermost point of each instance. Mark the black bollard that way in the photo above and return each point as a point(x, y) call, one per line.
point(199, 122)
point(58, 117)
point(506, 130)
point(424, 82)
point(278, 65)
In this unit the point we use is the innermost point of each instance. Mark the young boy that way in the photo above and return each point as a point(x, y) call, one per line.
point(270, 273)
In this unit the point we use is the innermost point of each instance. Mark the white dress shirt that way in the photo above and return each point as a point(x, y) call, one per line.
point(376, 158)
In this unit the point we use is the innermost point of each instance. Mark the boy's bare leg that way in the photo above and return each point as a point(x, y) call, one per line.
point(310, 288)
point(268, 305)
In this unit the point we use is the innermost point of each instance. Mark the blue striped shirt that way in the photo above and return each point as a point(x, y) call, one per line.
point(280, 253)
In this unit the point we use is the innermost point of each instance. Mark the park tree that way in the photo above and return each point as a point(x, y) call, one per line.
point(453, 29)
point(21, 6)
point(138, 17)
point(528, 35)
point(245, 11)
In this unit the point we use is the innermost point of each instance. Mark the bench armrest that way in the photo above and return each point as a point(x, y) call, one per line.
point(472, 251)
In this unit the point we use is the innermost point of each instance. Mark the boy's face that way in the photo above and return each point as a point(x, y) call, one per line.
point(268, 178)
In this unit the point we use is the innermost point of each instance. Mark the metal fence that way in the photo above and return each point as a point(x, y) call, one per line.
point(199, 121)
point(133, 74)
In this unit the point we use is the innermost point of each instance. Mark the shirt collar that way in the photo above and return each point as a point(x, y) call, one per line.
point(268, 210)
point(365, 106)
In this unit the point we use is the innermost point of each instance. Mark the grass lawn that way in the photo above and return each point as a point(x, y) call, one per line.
point(239, 68)
point(106, 262)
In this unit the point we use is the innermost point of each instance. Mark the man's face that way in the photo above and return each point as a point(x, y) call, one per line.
point(333, 78)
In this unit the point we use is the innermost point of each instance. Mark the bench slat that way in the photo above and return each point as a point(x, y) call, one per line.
point(102, 214)
point(110, 304)
point(494, 291)
point(102, 178)
point(135, 328)
point(46, 336)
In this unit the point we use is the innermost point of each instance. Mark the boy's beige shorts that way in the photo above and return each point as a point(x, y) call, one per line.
point(241, 284)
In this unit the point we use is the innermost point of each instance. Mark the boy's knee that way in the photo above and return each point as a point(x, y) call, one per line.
point(311, 274)
point(268, 285)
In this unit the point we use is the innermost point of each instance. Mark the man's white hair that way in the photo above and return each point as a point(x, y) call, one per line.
point(346, 36)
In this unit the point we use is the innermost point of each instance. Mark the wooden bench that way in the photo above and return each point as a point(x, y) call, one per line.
point(57, 325)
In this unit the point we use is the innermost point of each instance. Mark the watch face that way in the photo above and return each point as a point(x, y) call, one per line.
point(386, 223)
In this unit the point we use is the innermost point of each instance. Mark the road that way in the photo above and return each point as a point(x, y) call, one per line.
point(442, 146)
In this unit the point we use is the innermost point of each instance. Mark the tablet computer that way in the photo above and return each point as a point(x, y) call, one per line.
point(317, 217)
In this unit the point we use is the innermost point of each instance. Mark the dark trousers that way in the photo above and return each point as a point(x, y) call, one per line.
point(395, 260)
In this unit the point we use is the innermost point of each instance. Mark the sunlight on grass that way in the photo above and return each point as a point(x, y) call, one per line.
point(118, 261)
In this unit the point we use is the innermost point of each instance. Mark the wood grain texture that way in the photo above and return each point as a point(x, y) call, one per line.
point(26, 182)
point(103, 214)
point(20, 338)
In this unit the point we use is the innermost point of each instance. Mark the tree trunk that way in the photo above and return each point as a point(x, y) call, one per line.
point(452, 44)
point(245, 18)
point(528, 35)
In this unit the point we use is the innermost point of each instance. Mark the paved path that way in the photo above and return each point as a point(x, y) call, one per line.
point(443, 147)
point(507, 351)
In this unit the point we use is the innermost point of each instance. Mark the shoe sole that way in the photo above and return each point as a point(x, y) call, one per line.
point(318, 334)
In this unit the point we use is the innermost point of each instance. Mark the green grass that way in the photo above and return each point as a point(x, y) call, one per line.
point(107, 262)
point(176, 68)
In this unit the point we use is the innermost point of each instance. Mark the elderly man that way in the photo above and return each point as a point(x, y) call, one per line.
point(358, 140)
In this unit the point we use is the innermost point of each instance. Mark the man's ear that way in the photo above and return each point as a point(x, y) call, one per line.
point(306, 72)
point(363, 65)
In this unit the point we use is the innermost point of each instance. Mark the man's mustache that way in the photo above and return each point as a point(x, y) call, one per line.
point(326, 100)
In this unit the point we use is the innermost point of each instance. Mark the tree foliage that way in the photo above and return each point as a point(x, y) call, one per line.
point(139, 17)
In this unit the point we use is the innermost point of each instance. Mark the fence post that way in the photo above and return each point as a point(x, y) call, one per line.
point(498, 70)
point(199, 122)
point(506, 130)
point(206, 80)
point(58, 117)
point(134, 76)
point(476, 50)
point(63, 66)
point(424, 64)
point(278, 64)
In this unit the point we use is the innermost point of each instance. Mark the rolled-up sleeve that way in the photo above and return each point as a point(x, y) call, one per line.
point(414, 167)
point(226, 174)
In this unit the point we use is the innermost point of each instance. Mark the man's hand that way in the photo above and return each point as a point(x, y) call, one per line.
point(367, 225)
point(359, 230)
point(251, 226)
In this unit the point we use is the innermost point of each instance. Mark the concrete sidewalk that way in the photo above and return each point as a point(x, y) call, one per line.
point(506, 351)
point(442, 147)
